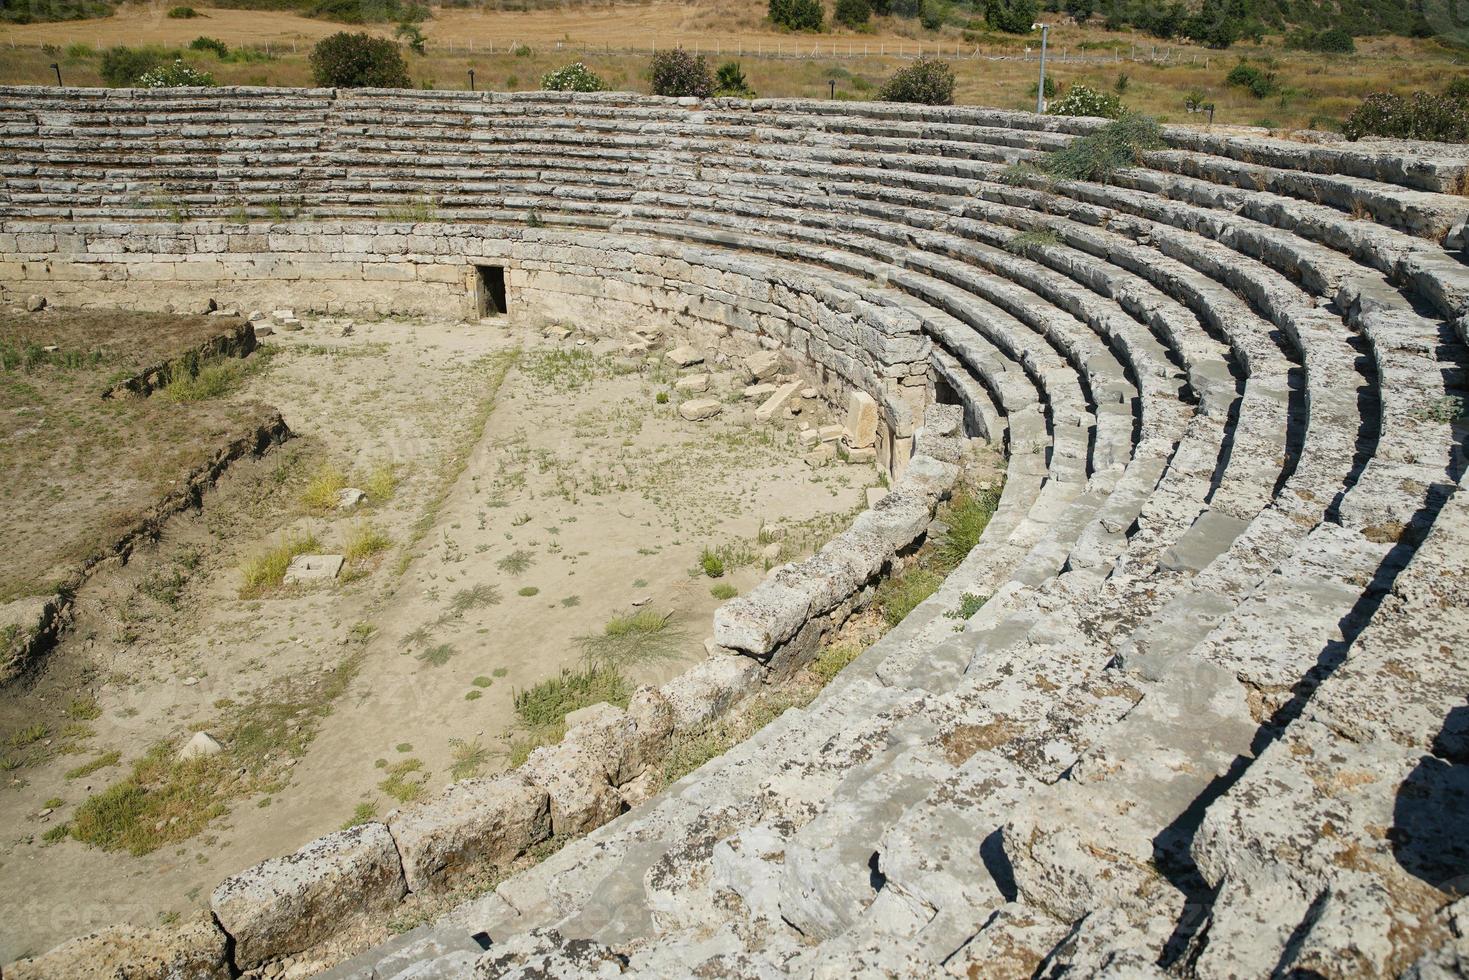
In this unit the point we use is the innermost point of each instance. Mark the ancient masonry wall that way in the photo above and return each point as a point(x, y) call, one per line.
point(839, 338)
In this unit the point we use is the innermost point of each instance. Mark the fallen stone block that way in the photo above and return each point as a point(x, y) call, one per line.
point(693, 383)
point(684, 357)
point(287, 904)
point(313, 568)
point(35, 303)
point(627, 742)
point(777, 401)
point(829, 433)
point(350, 497)
point(699, 409)
point(473, 825)
point(899, 518)
point(760, 392)
point(861, 425)
point(761, 365)
point(932, 476)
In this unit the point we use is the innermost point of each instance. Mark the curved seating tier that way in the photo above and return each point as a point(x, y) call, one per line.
point(1209, 721)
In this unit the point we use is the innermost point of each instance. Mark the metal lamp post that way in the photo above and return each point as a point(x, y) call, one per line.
point(833, 83)
point(471, 79)
point(1040, 90)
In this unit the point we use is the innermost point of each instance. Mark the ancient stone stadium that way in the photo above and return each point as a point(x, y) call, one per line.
point(1194, 705)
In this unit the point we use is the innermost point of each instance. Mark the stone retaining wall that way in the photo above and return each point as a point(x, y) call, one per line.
point(607, 763)
point(838, 331)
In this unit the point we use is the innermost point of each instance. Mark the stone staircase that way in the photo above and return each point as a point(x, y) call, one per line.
point(1211, 720)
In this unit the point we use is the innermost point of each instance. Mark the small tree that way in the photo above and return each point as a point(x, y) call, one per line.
point(176, 75)
point(411, 36)
point(729, 82)
point(852, 13)
point(1010, 16)
point(575, 77)
point(797, 15)
point(927, 82)
point(358, 61)
point(679, 74)
point(121, 66)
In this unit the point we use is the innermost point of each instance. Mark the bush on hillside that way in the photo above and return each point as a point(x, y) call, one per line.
point(182, 13)
point(852, 13)
point(679, 74)
point(1083, 101)
point(369, 11)
point(797, 15)
point(358, 61)
point(926, 82)
point(575, 77)
point(210, 44)
point(1332, 40)
point(1259, 82)
point(1418, 116)
point(122, 65)
point(1010, 16)
point(176, 75)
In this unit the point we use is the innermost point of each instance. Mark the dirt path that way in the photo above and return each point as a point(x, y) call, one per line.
point(581, 497)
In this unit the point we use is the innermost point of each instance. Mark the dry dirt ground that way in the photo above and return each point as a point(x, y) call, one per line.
point(518, 515)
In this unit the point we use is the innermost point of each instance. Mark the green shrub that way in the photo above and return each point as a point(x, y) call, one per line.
point(358, 61)
point(797, 15)
point(1100, 154)
point(122, 65)
point(549, 702)
point(368, 11)
point(711, 564)
point(35, 11)
point(1332, 40)
point(575, 77)
point(210, 44)
point(679, 74)
point(926, 82)
point(1259, 82)
point(176, 75)
point(182, 13)
point(410, 35)
point(852, 13)
point(1084, 101)
point(1010, 16)
point(900, 594)
point(1418, 116)
point(729, 82)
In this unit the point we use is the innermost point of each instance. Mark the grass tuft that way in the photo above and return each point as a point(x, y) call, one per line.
point(320, 495)
point(364, 541)
point(633, 638)
point(266, 570)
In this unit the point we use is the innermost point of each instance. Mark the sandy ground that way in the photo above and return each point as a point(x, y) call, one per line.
point(606, 496)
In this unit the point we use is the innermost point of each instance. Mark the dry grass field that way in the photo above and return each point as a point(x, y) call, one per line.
point(509, 51)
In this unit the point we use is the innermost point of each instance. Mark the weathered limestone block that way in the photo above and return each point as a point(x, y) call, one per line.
point(781, 399)
point(544, 953)
point(699, 409)
point(628, 741)
point(287, 904)
point(709, 689)
point(899, 518)
point(684, 357)
point(472, 825)
point(692, 384)
point(754, 623)
point(762, 365)
point(861, 425)
point(194, 950)
point(575, 776)
point(934, 477)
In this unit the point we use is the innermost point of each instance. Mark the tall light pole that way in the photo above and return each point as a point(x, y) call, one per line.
point(1040, 89)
